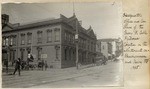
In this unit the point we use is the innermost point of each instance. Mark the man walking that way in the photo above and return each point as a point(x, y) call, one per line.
point(42, 64)
point(6, 64)
point(93, 61)
point(17, 66)
point(45, 64)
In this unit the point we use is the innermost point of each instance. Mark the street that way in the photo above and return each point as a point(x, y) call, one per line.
point(104, 75)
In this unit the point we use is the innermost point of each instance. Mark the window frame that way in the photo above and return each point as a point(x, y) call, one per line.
point(29, 38)
point(39, 36)
point(3, 41)
point(22, 39)
point(49, 35)
point(14, 40)
point(55, 33)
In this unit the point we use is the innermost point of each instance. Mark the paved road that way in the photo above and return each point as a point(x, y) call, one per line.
point(107, 75)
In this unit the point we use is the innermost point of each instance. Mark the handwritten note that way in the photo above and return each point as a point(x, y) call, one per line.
point(135, 40)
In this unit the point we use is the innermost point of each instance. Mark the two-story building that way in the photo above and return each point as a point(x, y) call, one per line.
point(51, 40)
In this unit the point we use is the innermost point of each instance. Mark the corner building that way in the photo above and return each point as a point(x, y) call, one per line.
point(52, 40)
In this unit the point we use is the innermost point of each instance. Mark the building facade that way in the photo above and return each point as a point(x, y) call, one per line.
point(109, 47)
point(53, 41)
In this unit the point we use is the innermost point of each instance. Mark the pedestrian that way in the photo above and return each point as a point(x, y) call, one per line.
point(93, 60)
point(17, 66)
point(45, 64)
point(31, 58)
point(28, 63)
point(22, 65)
point(6, 64)
point(42, 64)
point(105, 60)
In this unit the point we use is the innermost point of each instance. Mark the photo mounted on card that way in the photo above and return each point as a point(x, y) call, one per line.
point(62, 45)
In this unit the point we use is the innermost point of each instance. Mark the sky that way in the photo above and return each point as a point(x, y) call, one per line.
point(104, 18)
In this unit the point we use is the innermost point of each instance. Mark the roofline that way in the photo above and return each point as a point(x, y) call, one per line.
point(46, 23)
point(107, 40)
point(62, 22)
point(38, 24)
point(34, 25)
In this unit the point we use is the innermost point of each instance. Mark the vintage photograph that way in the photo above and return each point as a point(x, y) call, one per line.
point(62, 45)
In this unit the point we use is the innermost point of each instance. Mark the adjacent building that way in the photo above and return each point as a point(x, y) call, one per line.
point(109, 47)
point(52, 40)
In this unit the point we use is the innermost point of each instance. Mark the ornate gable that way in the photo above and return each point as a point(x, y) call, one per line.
point(91, 32)
point(72, 21)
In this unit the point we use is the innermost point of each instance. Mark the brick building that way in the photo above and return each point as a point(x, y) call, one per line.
point(51, 40)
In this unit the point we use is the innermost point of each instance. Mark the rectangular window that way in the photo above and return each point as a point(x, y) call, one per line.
point(80, 42)
point(39, 53)
point(83, 43)
point(103, 47)
point(14, 40)
point(29, 38)
point(22, 39)
point(65, 54)
point(65, 36)
point(39, 39)
point(49, 35)
point(57, 34)
point(11, 40)
point(87, 44)
point(91, 46)
point(73, 39)
point(69, 37)
point(4, 41)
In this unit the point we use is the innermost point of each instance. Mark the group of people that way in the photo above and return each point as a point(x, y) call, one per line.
point(43, 64)
point(18, 65)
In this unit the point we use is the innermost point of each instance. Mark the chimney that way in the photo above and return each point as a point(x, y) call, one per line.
point(5, 20)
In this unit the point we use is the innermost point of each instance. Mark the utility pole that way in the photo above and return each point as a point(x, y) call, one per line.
point(73, 9)
point(76, 38)
point(77, 45)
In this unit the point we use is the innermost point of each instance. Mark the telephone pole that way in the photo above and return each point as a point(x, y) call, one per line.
point(77, 45)
point(76, 38)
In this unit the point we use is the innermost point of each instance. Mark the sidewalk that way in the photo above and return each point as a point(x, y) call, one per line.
point(38, 77)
